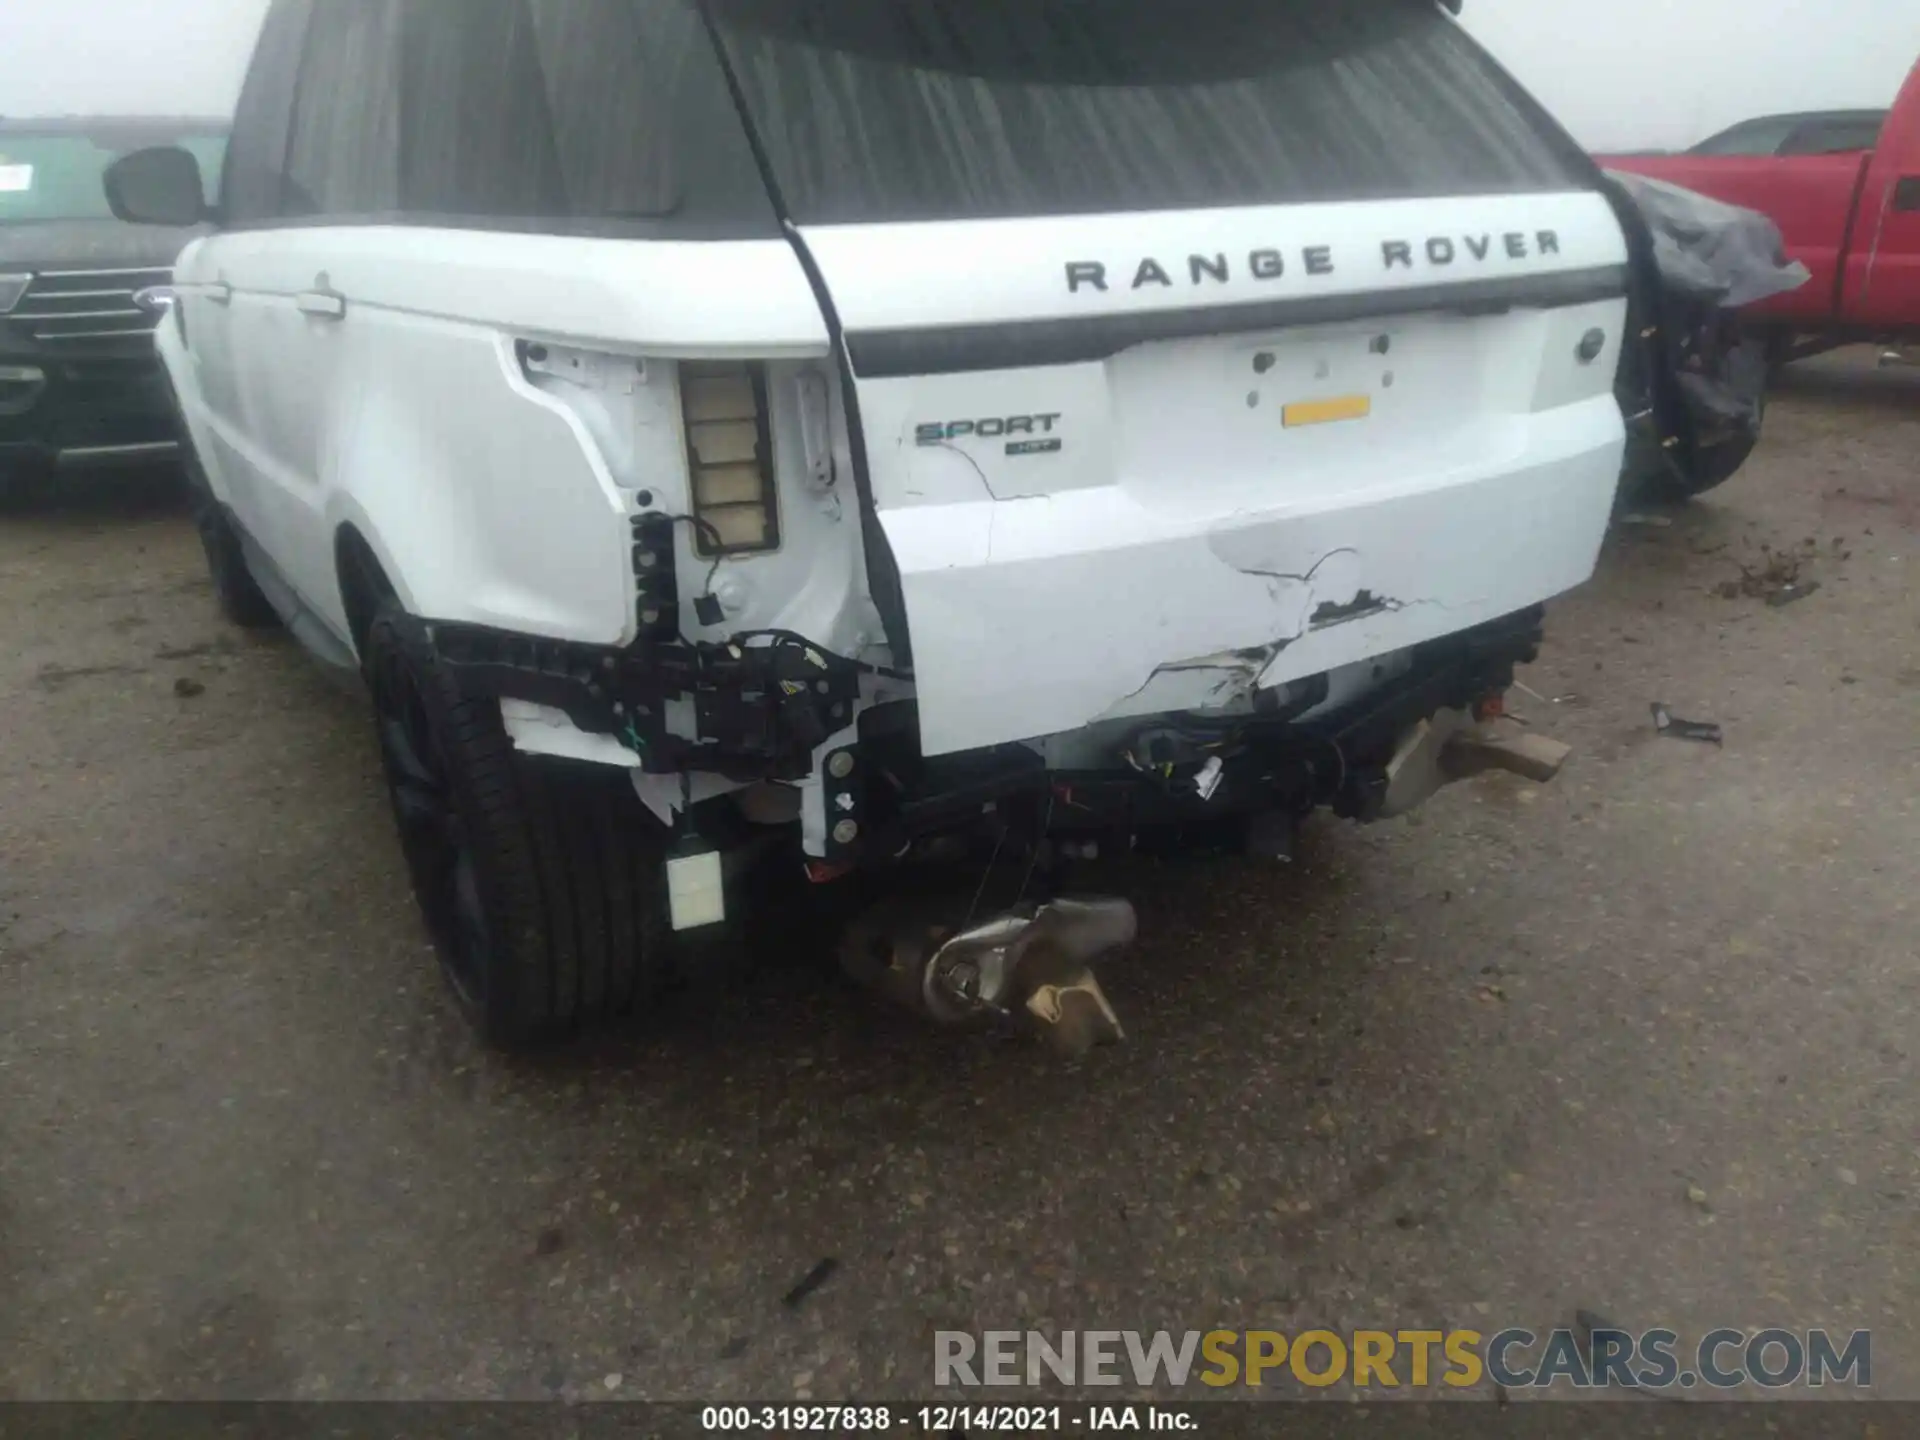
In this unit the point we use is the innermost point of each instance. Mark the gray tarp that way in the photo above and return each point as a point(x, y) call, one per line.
point(1713, 259)
point(1710, 251)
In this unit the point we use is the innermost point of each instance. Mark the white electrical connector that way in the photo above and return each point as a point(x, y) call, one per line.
point(696, 894)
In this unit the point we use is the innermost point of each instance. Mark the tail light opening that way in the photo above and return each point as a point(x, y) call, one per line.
point(729, 457)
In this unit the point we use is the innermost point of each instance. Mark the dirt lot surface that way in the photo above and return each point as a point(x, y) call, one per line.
point(1642, 1042)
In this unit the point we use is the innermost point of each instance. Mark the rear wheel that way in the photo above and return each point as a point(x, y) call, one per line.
point(1742, 367)
point(540, 880)
point(1714, 465)
point(234, 589)
point(21, 486)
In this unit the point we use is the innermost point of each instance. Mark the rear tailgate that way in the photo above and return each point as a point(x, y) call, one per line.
point(1196, 347)
point(1193, 499)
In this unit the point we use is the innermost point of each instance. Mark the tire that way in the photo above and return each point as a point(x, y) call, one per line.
point(1723, 462)
point(21, 488)
point(1662, 482)
point(1781, 348)
point(235, 591)
point(1714, 466)
point(541, 881)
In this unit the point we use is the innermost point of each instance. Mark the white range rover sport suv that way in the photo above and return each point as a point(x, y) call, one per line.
point(887, 434)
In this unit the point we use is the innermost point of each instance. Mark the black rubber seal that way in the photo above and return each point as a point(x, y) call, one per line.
point(948, 350)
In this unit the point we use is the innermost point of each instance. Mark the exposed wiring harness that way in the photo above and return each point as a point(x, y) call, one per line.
point(825, 657)
point(1217, 736)
point(705, 529)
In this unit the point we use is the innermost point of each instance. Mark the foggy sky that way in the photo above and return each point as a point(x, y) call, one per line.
point(1620, 73)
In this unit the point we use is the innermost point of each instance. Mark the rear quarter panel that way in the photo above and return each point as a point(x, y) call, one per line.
point(486, 499)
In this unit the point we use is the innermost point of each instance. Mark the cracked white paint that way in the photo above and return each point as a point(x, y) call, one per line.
point(1212, 682)
point(1034, 620)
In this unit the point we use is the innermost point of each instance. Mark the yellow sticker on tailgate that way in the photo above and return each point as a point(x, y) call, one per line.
point(1326, 412)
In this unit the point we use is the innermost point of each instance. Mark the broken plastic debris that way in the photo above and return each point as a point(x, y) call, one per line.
point(1548, 699)
point(1667, 723)
point(1591, 1320)
point(1208, 780)
point(810, 1282)
point(1074, 1015)
point(1777, 581)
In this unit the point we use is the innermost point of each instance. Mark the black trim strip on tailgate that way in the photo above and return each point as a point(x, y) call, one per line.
point(1015, 345)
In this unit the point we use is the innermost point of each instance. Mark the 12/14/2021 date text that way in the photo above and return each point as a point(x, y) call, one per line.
point(945, 1419)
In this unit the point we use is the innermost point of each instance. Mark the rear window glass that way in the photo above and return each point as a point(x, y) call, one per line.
point(1750, 137)
point(569, 116)
point(1840, 135)
point(932, 109)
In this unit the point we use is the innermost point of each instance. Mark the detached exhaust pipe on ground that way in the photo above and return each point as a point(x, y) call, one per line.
point(1031, 965)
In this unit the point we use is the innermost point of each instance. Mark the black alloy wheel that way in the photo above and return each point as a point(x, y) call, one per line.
point(540, 879)
point(442, 860)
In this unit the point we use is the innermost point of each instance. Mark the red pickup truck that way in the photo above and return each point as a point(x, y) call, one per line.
point(1852, 217)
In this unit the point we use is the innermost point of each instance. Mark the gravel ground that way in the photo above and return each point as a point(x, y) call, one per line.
point(1641, 1042)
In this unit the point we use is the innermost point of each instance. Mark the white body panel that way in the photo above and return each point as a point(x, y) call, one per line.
point(492, 491)
point(1178, 548)
point(1176, 551)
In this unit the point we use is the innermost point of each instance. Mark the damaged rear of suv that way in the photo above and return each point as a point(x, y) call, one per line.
point(887, 431)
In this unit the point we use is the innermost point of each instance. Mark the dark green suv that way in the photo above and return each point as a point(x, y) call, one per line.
point(80, 295)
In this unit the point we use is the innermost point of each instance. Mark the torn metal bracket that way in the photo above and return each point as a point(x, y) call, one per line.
point(1672, 726)
point(656, 582)
point(760, 710)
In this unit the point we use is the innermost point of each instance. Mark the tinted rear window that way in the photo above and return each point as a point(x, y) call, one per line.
point(933, 109)
point(568, 116)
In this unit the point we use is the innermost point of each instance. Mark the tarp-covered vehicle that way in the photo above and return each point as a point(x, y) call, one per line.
point(1844, 188)
point(901, 435)
point(1695, 391)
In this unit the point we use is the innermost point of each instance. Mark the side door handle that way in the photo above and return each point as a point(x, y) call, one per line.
point(1906, 194)
point(219, 293)
point(322, 304)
